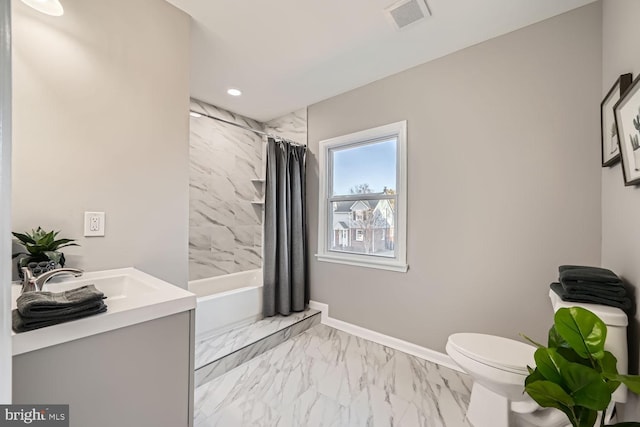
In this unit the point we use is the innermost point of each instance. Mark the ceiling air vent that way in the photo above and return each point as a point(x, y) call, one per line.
point(407, 12)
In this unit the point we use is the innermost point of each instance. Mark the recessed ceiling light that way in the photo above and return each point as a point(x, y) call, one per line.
point(234, 92)
point(49, 7)
point(194, 114)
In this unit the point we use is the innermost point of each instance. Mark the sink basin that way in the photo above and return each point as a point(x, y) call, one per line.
point(132, 297)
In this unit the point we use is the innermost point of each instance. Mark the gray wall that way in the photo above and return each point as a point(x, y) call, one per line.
point(620, 204)
point(100, 105)
point(504, 183)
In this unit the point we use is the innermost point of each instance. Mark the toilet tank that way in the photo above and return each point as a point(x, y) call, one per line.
point(616, 343)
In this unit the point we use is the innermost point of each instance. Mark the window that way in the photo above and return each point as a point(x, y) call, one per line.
point(362, 206)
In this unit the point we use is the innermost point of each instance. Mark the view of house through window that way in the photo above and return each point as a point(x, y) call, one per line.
point(363, 198)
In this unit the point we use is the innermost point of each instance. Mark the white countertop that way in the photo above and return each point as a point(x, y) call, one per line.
point(132, 297)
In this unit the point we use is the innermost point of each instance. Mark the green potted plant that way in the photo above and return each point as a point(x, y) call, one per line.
point(42, 250)
point(574, 373)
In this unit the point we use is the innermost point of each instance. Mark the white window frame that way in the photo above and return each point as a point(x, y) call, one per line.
point(396, 130)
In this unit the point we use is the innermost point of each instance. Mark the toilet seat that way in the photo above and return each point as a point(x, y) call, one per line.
point(497, 352)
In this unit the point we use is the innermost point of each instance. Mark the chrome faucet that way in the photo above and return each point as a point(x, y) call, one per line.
point(30, 283)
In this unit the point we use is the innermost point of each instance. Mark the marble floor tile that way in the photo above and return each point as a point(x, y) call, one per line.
point(325, 377)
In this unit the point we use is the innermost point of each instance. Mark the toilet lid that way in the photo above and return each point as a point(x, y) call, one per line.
point(498, 352)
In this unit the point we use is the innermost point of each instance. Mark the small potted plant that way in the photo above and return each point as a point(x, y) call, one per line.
point(574, 373)
point(42, 250)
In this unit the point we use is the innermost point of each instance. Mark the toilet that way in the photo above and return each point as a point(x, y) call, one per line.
point(498, 367)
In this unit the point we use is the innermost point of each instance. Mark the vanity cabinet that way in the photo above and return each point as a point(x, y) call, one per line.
point(139, 375)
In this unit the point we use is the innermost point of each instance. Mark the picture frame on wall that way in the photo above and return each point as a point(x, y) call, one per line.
point(608, 128)
point(627, 117)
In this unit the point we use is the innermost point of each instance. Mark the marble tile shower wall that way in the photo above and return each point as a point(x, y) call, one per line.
point(292, 126)
point(225, 228)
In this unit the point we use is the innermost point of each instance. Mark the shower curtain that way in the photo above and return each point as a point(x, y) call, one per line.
point(284, 265)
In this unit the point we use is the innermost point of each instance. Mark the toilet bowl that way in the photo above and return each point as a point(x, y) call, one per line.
point(498, 363)
point(498, 367)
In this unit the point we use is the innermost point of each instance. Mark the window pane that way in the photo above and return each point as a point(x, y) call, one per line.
point(363, 227)
point(367, 168)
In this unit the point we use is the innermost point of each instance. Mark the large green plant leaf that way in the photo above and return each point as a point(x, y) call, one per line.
point(586, 386)
point(608, 367)
point(548, 363)
point(555, 340)
point(631, 381)
point(570, 355)
point(582, 330)
point(534, 375)
point(549, 395)
point(585, 417)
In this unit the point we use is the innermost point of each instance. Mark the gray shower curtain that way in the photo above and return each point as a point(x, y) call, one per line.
point(284, 265)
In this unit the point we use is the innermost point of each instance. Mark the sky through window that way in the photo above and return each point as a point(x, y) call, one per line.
point(373, 164)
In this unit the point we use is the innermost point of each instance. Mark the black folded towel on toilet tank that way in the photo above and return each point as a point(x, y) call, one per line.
point(579, 273)
point(39, 309)
point(591, 280)
point(602, 289)
point(622, 302)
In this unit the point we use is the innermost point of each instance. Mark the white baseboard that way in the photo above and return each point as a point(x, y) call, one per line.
point(386, 340)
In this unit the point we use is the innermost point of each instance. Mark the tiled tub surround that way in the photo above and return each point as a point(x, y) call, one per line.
point(292, 126)
point(217, 355)
point(325, 377)
point(225, 228)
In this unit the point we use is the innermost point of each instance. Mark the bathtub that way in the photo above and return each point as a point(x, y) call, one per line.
point(227, 302)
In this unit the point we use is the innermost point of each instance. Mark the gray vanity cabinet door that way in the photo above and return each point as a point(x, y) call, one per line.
point(135, 376)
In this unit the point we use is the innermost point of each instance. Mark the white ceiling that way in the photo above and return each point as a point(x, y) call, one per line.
point(287, 54)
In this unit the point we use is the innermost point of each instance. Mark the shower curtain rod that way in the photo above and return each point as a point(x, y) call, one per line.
point(276, 137)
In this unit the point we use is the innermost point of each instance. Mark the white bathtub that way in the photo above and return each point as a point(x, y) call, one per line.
point(227, 302)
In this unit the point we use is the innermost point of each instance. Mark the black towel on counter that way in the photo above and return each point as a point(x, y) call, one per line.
point(623, 303)
point(52, 304)
point(23, 324)
point(39, 309)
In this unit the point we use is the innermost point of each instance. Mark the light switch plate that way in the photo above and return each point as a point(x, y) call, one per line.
point(93, 224)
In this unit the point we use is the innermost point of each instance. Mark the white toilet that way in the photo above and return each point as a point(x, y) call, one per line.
point(498, 367)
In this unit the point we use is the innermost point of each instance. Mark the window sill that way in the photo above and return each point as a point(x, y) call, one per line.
point(380, 264)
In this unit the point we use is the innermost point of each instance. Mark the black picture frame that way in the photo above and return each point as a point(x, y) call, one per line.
point(610, 144)
point(627, 116)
